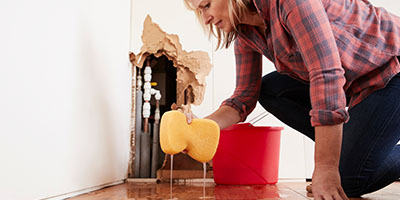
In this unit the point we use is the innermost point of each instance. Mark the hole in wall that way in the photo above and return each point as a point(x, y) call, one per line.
point(164, 76)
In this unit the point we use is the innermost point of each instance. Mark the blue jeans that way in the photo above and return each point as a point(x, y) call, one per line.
point(370, 157)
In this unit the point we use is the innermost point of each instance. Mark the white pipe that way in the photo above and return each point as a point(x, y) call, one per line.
point(145, 159)
point(157, 96)
point(146, 97)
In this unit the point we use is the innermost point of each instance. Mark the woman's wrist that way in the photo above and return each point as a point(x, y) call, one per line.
point(328, 143)
point(225, 116)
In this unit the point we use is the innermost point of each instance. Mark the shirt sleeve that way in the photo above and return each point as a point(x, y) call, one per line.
point(248, 79)
point(308, 23)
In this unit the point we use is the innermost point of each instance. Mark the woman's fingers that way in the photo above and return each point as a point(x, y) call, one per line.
point(189, 117)
point(185, 109)
point(343, 194)
point(309, 188)
point(174, 106)
point(338, 196)
point(326, 183)
point(188, 113)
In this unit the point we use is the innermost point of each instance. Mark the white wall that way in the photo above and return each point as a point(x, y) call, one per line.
point(65, 95)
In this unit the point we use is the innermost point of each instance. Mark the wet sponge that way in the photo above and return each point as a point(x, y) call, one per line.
point(200, 138)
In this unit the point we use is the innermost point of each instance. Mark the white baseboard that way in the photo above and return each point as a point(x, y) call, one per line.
point(141, 180)
point(83, 191)
point(291, 180)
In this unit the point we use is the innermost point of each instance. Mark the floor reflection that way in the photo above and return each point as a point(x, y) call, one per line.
point(198, 191)
point(246, 192)
point(195, 190)
point(162, 190)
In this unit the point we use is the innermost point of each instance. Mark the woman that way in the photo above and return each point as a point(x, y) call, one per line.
point(329, 55)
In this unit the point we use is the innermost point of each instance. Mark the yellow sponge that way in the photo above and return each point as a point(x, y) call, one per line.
point(200, 138)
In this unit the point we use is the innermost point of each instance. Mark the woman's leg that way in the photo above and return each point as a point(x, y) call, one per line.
point(288, 100)
point(370, 158)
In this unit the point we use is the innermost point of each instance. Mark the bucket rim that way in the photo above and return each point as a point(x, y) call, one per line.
point(242, 126)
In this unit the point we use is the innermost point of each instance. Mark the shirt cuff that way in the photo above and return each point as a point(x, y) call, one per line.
point(328, 117)
point(238, 106)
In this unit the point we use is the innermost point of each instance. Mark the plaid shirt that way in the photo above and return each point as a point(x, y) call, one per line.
point(340, 47)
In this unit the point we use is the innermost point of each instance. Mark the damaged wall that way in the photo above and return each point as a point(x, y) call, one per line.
point(192, 67)
point(191, 70)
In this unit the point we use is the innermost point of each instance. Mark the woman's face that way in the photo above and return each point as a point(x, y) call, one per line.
point(214, 12)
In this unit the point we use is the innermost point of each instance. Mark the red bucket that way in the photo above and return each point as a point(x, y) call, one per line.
point(247, 155)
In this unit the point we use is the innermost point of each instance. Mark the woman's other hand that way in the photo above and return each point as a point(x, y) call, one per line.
point(326, 183)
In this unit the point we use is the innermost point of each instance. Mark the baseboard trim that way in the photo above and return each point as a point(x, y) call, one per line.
point(291, 180)
point(83, 191)
point(141, 180)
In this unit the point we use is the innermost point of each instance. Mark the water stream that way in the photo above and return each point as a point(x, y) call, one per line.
point(204, 180)
point(170, 176)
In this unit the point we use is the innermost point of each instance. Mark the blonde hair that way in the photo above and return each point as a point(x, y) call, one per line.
point(236, 9)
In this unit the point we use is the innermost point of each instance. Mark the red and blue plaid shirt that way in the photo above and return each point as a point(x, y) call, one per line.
point(340, 47)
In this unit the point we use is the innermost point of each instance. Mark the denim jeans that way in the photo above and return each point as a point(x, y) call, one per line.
point(370, 156)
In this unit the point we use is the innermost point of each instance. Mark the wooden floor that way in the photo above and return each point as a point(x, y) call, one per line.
point(197, 190)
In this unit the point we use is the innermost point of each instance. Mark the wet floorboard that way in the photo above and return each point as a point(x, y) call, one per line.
point(196, 190)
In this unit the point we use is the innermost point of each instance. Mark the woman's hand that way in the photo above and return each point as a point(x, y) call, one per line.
point(185, 109)
point(188, 113)
point(326, 183)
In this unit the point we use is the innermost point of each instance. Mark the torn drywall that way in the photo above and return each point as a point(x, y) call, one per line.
point(192, 67)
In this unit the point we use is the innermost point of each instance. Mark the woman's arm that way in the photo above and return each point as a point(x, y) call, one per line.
point(308, 23)
point(248, 84)
point(309, 26)
point(328, 142)
point(225, 116)
point(326, 177)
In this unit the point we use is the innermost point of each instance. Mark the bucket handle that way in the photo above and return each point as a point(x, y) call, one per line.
point(259, 117)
